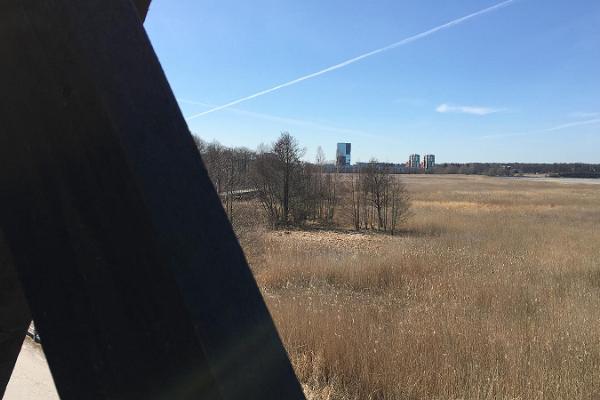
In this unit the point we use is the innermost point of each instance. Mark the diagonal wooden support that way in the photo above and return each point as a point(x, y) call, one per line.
point(14, 311)
point(133, 274)
point(142, 6)
point(14, 316)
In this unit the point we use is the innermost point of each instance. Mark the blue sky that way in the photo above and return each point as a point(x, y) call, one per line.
point(516, 83)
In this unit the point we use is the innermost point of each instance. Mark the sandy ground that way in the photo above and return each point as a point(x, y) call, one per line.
point(31, 378)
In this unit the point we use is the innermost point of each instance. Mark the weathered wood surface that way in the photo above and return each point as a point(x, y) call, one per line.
point(14, 316)
point(142, 7)
point(14, 312)
point(132, 272)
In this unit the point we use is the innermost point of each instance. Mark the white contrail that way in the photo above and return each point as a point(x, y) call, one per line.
point(358, 58)
point(554, 128)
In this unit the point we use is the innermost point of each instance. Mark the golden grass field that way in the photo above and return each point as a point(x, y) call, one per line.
point(492, 291)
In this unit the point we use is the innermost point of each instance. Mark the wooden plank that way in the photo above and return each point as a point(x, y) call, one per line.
point(142, 6)
point(14, 311)
point(104, 306)
point(14, 316)
point(133, 274)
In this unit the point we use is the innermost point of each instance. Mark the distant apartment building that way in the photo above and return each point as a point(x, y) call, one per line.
point(428, 161)
point(342, 154)
point(414, 161)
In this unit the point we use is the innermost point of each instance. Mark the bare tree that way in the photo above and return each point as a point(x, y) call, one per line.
point(378, 198)
point(228, 169)
point(320, 157)
point(235, 164)
point(331, 195)
point(318, 189)
point(287, 152)
point(400, 205)
point(376, 182)
point(213, 156)
point(281, 180)
point(200, 144)
point(355, 197)
point(265, 178)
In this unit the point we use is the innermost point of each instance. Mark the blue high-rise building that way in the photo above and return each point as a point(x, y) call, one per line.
point(342, 154)
point(428, 161)
point(414, 161)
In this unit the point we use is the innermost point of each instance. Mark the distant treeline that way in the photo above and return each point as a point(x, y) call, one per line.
point(570, 170)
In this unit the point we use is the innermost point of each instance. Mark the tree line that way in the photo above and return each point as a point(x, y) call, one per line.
point(295, 192)
point(511, 169)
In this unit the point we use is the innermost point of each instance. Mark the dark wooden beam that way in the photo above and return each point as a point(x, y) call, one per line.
point(14, 316)
point(133, 274)
point(14, 312)
point(142, 6)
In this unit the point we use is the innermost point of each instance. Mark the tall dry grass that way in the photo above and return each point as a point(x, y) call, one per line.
point(492, 292)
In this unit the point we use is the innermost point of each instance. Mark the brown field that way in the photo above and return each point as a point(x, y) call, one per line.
point(492, 291)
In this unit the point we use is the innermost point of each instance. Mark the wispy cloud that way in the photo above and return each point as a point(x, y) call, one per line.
point(475, 110)
point(353, 60)
point(285, 120)
point(552, 129)
point(584, 114)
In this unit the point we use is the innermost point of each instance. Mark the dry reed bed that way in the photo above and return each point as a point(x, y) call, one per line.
point(470, 302)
